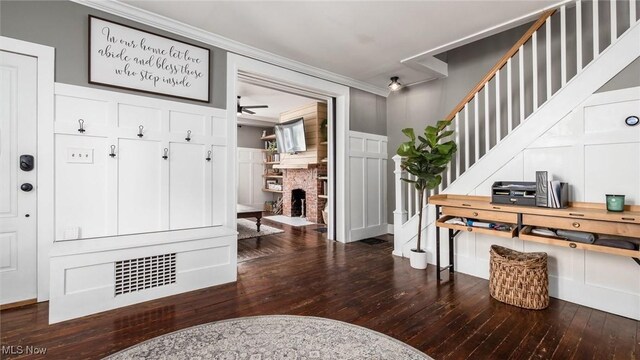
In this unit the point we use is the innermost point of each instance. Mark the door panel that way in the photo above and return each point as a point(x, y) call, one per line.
point(17, 208)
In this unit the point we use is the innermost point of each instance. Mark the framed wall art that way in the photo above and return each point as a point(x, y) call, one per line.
point(128, 58)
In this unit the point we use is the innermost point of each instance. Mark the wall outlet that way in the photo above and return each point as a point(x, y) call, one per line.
point(80, 156)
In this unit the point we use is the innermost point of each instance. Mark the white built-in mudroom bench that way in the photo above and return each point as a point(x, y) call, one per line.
point(141, 200)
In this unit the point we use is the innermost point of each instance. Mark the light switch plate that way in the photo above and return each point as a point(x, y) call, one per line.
point(80, 156)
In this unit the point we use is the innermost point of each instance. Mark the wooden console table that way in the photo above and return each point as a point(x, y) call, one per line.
point(587, 217)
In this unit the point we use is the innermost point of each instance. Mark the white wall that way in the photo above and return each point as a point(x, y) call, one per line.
point(596, 153)
point(250, 180)
point(368, 187)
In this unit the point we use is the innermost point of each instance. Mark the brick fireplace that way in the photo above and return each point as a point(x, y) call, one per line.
point(305, 180)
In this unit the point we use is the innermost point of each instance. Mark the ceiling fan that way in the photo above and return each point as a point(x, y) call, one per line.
point(245, 109)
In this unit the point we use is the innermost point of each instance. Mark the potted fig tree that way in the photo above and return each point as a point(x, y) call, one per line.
point(426, 157)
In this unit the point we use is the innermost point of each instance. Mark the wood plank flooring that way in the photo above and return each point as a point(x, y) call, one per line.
point(299, 272)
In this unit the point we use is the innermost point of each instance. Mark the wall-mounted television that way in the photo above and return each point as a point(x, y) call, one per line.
point(290, 136)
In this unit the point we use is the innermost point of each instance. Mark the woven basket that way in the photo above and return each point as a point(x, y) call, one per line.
point(519, 279)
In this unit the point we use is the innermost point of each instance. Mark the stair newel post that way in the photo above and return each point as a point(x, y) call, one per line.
point(400, 212)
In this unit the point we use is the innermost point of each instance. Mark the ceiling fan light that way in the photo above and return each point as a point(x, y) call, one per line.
point(395, 85)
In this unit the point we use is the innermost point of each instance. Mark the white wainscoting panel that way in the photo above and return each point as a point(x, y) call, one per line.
point(137, 190)
point(596, 153)
point(83, 271)
point(250, 180)
point(368, 185)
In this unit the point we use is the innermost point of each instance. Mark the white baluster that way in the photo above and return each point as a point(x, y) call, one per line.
point(596, 30)
point(521, 83)
point(563, 44)
point(416, 199)
point(534, 55)
point(476, 127)
point(632, 13)
point(441, 186)
point(578, 36)
point(487, 127)
point(509, 98)
point(498, 117)
point(457, 120)
point(614, 20)
point(410, 195)
point(548, 53)
point(467, 144)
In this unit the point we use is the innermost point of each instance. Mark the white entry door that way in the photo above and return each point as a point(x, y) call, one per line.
point(18, 113)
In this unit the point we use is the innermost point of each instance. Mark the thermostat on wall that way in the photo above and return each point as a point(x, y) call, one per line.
point(632, 120)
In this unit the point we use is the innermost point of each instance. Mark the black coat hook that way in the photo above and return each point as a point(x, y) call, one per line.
point(81, 128)
point(188, 138)
point(208, 155)
point(113, 151)
point(140, 131)
point(166, 154)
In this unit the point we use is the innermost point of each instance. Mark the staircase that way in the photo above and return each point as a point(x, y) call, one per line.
point(532, 87)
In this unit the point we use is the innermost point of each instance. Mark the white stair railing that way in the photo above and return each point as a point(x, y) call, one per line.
point(517, 93)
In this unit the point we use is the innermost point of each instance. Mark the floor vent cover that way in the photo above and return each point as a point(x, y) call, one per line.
point(145, 273)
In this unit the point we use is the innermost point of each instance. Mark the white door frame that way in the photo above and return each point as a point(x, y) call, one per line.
point(45, 56)
point(237, 63)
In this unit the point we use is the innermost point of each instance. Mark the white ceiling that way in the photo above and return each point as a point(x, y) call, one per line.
point(278, 102)
point(363, 40)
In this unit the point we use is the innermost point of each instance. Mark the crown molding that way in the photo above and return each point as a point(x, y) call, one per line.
point(176, 27)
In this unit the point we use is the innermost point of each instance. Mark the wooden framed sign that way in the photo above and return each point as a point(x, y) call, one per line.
point(125, 57)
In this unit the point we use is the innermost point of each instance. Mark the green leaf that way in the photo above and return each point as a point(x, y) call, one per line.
point(445, 134)
point(409, 133)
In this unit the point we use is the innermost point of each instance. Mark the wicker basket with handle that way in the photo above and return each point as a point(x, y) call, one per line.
point(519, 279)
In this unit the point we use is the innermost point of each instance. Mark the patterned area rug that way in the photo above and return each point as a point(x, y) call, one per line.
point(272, 337)
point(247, 229)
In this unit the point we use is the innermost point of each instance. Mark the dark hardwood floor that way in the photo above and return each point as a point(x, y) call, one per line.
point(299, 272)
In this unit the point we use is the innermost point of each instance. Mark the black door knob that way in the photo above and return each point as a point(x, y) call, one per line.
point(26, 187)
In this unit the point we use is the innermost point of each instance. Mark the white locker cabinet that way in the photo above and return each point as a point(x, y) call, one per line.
point(136, 190)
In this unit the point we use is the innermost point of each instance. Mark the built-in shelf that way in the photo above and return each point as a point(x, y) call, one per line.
point(526, 234)
point(273, 176)
point(323, 196)
point(273, 191)
point(505, 234)
point(324, 160)
point(294, 166)
point(323, 178)
point(269, 137)
point(271, 162)
point(324, 143)
point(269, 150)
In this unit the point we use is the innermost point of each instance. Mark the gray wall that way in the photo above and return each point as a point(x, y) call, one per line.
point(367, 112)
point(629, 77)
point(249, 136)
point(64, 25)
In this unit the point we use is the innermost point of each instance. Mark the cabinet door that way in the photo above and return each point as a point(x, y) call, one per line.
point(188, 193)
point(139, 188)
